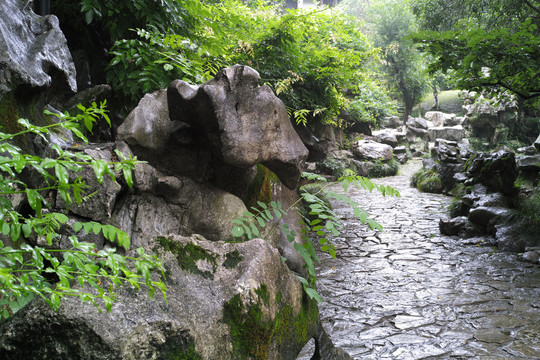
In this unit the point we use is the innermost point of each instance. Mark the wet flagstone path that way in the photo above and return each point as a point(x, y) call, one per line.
point(410, 293)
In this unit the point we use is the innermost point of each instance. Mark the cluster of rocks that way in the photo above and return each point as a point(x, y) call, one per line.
point(202, 146)
point(486, 116)
point(486, 208)
point(435, 125)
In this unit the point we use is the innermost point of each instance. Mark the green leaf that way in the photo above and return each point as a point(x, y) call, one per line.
point(27, 230)
point(62, 174)
point(313, 294)
point(237, 231)
point(77, 227)
point(5, 228)
point(34, 199)
point(61, 218)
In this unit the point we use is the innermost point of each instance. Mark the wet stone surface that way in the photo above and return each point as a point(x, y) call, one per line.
point(411, 293)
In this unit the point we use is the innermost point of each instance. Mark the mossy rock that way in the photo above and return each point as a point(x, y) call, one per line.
point(379, 169)
point(427, 181)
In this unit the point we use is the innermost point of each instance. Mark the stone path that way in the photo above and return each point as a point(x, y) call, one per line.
point(410, 293)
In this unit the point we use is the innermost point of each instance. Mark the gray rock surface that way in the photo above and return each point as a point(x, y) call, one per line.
point(528, 163)
point(165, 205)
point(452, 133)
point(371, 150)
point(497, 171)
point(148, 125)
point(225, 301)
point(244, 123)
point(440, 119)
point(386, 137)
point(482, 215)
point(32, 47)
point(516, 236)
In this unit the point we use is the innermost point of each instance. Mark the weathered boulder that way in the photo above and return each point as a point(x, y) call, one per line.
point(459, 226)
point(486, 116)
point(400, 153)
point(224, 301)
point(531, 256)
point(386, 137)
point(392, 122)
point(371, 150)
point(528, 163)
point(32, 50)
point(244, 124)
point(453, 133)
point(516, 236)
point(148, 125)
point(417, 123)
point(527, 150)
point(482, 215)
point(169, 205)
point(440, 119)
point(497, 171)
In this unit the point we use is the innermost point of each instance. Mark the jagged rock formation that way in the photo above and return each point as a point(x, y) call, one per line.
point(225, 300)
point(32, 48)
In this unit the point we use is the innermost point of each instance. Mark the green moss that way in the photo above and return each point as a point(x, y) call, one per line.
point(9, 114)
point(431, 184)
point(261, 187)
point(232, 259)
point(263, 294)
point(188, 255)
point(188, 353)
point(332, 166)
point(382, 169)
point(252, 335)
point(427, 181)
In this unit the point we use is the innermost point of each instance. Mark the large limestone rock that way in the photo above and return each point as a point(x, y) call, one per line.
point(148, 125)
point(162, 205)
point(32, 48)
point(440, 119)
point(371, 150)
point(497, 171)
point(452, 133)
point(225, 301)
point(244, 124)
point(386, 137)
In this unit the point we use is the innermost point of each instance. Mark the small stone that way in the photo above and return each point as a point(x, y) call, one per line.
point(531, 256)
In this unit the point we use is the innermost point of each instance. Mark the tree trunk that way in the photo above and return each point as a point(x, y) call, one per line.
point(435, 97)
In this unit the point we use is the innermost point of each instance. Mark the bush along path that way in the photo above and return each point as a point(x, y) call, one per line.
point(411, 293)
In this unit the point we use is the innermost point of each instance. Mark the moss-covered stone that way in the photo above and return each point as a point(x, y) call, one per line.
point(189, 255)
point(188, 353)
point(252, 334)
point(261, 187)
point(382, 169)
point(232, 259)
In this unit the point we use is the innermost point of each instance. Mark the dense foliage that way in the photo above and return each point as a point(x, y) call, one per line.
point(309, 57)
point(31, 261)
point(495, 45)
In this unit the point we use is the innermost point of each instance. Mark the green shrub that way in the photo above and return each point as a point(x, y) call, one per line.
point(381, 169)
point(529, 207)
point(427, 181)
point(332, 166)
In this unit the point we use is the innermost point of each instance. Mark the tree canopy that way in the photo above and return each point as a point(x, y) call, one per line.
point(489, 45)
